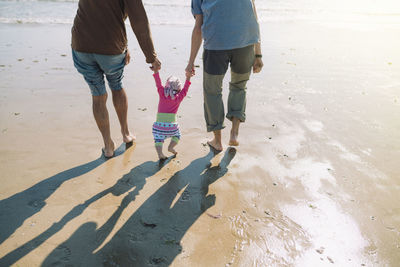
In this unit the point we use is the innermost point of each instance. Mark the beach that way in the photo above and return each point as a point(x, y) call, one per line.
point(314, 182)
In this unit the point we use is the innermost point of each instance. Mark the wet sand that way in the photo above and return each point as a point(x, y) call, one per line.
point(314, 182)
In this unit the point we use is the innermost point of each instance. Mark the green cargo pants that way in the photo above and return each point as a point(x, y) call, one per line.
point(216, 64)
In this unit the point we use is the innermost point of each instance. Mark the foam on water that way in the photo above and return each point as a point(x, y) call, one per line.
point(177, 12)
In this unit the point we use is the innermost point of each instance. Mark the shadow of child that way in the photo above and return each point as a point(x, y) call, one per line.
point(153, 233)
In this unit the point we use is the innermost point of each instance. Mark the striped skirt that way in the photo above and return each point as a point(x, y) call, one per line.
point(163, 130)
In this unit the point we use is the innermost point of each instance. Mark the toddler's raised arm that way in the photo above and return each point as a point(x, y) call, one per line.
point(157, 79)
point(184, 91)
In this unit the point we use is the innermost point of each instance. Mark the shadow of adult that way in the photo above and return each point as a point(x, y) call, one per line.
point(135, 179)
point(152, 235)
point(19, 207)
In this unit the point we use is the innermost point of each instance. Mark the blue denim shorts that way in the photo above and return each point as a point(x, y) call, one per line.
point(93, 67)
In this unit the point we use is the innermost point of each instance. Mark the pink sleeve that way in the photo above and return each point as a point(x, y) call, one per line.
point(160, 88)
point(184, 91)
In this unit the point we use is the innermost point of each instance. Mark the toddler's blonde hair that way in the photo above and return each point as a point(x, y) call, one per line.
point(172, 87)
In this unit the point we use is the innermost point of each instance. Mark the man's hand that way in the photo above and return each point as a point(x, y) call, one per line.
point(190, 71)
point(127, 57)
point(156, 65)
point(258, 65)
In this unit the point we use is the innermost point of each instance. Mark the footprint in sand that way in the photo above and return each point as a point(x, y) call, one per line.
point(185, 196)
point(320, 250)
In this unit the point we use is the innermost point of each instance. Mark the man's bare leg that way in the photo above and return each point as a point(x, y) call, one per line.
point(100, 114)
point(120, 102)
point(233, 141)
point(216, 143)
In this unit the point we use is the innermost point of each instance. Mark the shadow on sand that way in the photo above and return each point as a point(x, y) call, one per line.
point(152, 235)
point(21, 206)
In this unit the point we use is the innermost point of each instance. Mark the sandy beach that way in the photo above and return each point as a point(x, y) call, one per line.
point(314, 182)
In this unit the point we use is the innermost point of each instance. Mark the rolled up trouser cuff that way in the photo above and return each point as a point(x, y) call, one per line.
point(115, 80)
point(116, 87)
point(211, 128)
point(96, 89)
point(93, 67)
point(236, 114)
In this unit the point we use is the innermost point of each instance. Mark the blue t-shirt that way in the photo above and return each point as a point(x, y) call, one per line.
point(227, 24)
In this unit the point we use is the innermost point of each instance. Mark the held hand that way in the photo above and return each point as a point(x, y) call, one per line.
point(156, 65)
point(190, 71)
point(127, 57)
point(188, 75)
point(258, 65)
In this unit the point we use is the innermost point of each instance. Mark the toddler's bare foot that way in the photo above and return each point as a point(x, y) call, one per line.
point(162, 156)
point(160, 153)
point(171, 147)
point(108, 150)
point(233, 141)
point(172, 150)
point(215, 145)
point(128, 137)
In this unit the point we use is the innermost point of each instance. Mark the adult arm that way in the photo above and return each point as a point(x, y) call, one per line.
point(140, 26)
point(258, 63)
point(195, 46)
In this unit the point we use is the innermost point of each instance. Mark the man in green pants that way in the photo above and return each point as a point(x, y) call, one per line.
point(231, 36)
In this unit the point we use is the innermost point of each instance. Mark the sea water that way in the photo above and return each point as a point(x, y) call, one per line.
point(178, 12)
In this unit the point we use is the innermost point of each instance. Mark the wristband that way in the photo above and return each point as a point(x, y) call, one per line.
point(258, 55)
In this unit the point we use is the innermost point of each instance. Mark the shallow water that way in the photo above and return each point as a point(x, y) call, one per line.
point(355, 13)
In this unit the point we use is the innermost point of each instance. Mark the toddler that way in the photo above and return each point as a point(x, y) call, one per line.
point(170, 97)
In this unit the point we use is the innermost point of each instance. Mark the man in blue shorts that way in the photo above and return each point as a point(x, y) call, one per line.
point(99, 48)
point(231, 36)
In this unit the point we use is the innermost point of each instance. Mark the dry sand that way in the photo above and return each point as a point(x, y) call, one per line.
point(314, 182)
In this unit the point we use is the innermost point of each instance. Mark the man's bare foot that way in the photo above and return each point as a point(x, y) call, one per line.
point(108, 150)
point(215, 145)
point(233, 141)
point(128, 138)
